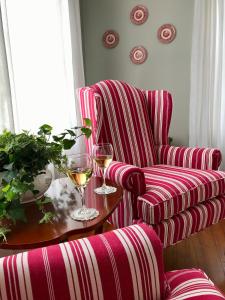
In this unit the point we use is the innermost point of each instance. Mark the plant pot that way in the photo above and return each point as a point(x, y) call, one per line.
point(41, 183)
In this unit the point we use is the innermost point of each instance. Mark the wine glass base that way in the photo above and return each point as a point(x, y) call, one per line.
point(105, 190)
point(84, 214)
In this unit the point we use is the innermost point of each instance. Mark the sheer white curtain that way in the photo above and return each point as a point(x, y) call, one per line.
point(6, 113)
point(207, 97)
point(43, 67)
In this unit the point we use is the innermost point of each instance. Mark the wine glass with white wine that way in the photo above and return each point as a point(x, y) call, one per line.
point(79, 169)
point(103, 155)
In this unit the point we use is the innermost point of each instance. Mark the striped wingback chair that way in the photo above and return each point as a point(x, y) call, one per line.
point(125, 264)
point(176, 190)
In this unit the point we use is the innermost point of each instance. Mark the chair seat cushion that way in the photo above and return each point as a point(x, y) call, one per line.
point(191, 284)
point(190, 221)
point(171, 190)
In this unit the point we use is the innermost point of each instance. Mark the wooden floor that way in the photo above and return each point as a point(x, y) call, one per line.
point(205, 250)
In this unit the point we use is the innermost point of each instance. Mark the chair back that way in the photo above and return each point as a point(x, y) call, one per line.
point(160, 106)
point(120, 116)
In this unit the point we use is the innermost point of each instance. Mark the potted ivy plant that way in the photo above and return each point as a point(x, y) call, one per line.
point(23, 157)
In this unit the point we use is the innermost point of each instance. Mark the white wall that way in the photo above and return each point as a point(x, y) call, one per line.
point(167, 67)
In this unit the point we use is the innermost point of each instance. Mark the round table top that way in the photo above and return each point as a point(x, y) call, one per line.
point(65, 199)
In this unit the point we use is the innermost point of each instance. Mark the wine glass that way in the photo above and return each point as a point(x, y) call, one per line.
point(103, 155)
point(79, 169)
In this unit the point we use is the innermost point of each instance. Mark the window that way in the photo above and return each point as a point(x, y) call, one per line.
point(39, 49)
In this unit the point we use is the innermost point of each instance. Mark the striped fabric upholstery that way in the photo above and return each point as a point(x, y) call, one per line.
point(190, 221)
point(137, 123)
point(188, 157)
point(125, 212)
point(160, 105)
point(123, 120)
point(129, 177)
point(122, 264)
point(132, 179)
point(171, 190)
point(191, 284)
point(91, 107)
point(178, 227)
point(125, 264)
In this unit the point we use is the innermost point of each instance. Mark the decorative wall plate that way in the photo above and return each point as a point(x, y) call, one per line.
point(110, 39)
point(138, 55)
point(139, 14)
point(166, 33)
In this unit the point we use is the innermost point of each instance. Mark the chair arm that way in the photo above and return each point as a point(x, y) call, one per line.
point(191, 284)
point(129, 177)
point(190, 157)
point(123, 264)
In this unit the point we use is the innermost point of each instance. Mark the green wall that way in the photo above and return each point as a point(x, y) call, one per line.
point(167, 66)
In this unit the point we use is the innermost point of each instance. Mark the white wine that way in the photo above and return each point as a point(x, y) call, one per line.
point(80, 176)
point(103, 161)
point(103, 154)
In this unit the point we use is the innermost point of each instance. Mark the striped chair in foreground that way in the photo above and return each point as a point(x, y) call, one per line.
point(125, 264)
point(177, 190)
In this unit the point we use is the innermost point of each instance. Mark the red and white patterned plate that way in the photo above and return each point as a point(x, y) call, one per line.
point(138, 55)
point(139, 14)
point(110, 39)
point(166, 33)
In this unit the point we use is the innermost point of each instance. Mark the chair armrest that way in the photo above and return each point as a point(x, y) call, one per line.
point(123, 264)
point(191, 284)
point(129, 177)
point(190, 157)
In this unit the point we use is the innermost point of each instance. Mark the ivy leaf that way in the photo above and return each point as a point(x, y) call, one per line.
point(3, 233)
point(71, 132)
point(9, 175)
point(20, 187)
point(63, 134)
point(58, 138)
point(3, 212)
point(17, 213)
point(87, 122)
point(11, 195)
point(1, 196)
point(6, 188)
point(23, 156)
point(42, 201)
point(48, 217)
point(86, 131)
point(46, 129)
point(8, 167)
point(46, 200)
point(67, 144)
point(35, 192)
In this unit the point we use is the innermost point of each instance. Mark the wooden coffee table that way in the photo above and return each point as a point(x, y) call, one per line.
point(64, 200)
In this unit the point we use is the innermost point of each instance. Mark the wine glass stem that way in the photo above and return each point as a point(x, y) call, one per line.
point(81, 191)
point(104, 173)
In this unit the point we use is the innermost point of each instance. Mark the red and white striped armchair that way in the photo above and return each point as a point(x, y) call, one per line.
point(176, 190)
point(125, 264)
